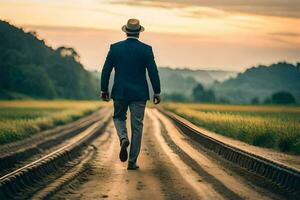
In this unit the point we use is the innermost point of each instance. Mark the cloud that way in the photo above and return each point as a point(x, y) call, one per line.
point(280, 8)
point(285, 34)
point(203, 12)
point(290, 38)
point(154, 3)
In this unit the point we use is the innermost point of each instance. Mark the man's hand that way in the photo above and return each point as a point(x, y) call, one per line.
point(156, 99)
point(105, 96)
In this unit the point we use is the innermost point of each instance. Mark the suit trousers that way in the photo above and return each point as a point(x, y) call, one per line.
point(137, 110)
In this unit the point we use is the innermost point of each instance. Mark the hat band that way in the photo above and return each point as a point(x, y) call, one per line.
point(132, 30)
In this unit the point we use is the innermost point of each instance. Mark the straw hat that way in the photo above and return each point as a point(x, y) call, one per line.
point(133, 26)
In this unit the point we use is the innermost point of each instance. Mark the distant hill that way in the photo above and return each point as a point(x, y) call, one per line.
point(182, 81)
point(205, 77)
point(174, 82)
point(260, 82)
point(30, 68)
point(221, 75)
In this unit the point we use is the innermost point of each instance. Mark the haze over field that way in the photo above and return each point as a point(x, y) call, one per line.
point(207, 34)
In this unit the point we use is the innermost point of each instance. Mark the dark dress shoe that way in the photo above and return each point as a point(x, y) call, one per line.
point(123, 152)
point(132, 167)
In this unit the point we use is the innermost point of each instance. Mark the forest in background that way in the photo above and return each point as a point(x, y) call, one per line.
point(31, 69)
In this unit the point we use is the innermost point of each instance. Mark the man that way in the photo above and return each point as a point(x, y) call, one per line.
point(130, 59)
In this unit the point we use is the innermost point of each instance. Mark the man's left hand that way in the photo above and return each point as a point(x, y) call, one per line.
point(105, 96)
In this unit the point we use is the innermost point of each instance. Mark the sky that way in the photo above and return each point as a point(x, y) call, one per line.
point(197, 34)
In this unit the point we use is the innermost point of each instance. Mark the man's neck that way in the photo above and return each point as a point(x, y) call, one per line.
point(132, 37)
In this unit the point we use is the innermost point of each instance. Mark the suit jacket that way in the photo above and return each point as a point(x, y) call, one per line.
point(130, 59)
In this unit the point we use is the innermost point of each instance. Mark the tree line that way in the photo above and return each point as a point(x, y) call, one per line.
point(30, 68)
point(200, 94)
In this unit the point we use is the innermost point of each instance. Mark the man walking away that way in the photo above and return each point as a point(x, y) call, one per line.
point(130, 59)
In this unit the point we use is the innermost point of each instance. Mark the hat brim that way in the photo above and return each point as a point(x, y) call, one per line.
point(132, 32)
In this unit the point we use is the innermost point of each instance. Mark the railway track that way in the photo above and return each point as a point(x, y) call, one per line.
point(22, 182)
point(18, 154)
point(46, 175)
point(283, 177)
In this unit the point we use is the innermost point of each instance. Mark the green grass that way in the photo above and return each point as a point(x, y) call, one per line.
point(276, 127)
point(21, 119)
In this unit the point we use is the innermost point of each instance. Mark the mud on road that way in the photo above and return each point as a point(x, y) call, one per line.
point(170, 168)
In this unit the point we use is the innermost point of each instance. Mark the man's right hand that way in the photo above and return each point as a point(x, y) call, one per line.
point(105, 96)
point(156, 99)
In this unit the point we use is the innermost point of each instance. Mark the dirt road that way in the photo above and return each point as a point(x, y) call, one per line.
point(170, 168)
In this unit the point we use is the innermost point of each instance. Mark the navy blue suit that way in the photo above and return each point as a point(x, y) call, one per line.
point(130, 59)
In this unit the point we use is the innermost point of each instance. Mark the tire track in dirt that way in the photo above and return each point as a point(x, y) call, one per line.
point(157, 178)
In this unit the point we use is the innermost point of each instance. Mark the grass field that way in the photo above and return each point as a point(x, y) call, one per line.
point(276, 127)
point(20, 119)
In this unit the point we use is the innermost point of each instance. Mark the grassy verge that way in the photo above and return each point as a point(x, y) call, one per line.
point(276, 127)
point(21, 119)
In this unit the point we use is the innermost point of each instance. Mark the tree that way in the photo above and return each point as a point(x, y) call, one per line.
point(68, 52)
point(200, 94)
point(283, 98)
point(223, 100)
point(255, 100)
point(176, 97)
point(29, 79)
point(268, 100)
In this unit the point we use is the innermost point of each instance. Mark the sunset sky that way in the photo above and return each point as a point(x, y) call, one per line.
point(199, 34)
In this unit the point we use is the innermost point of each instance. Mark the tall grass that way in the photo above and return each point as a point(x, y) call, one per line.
point(21, 119)
point(276, 127)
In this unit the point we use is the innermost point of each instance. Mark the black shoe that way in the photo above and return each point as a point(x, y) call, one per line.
point(132, 167)
point(123, 152)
